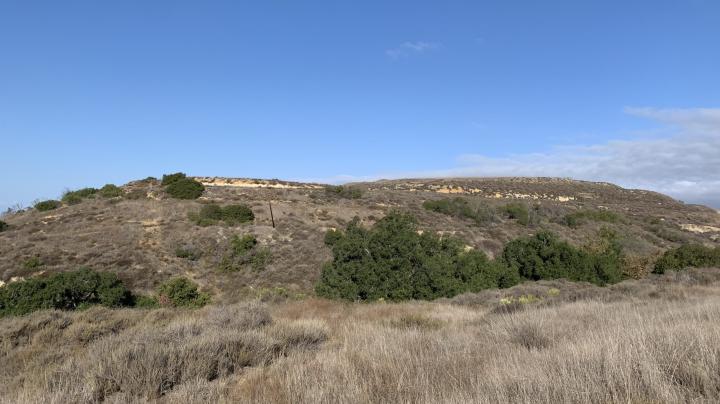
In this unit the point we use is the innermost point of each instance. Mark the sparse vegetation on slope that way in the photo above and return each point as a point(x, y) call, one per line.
point(462, 208)
point(245, 252)
point(3, 226)
point(518, 211)
point(581, 217)
point(344, 191)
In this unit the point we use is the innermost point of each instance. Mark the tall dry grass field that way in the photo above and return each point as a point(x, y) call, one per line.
point(654, 340)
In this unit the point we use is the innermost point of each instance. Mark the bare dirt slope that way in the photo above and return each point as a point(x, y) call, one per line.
point(138, 238)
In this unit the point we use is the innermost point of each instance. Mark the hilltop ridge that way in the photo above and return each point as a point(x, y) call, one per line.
point(138, 234)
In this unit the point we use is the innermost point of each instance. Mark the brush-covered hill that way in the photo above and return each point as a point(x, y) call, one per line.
point(146, 236)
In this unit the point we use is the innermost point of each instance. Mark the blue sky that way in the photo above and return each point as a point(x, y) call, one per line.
point(96, 92)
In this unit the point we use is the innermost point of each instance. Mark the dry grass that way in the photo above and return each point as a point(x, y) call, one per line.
point(662, 349)
point(125, 355)
point(655, 340)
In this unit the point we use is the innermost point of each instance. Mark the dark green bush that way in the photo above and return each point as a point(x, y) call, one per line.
point(65, 291)
point(71, 199)
point(460, 207)
point(235, 214)
point(3, 226)
point(545, 256)
point(110, 191)
point(145, 302)
point(185, 188)
point(232, 215)
point(332, 236)
point(181, 292)
point(688, 256)
point(518, 211)
point(392, 261)
point(47, 205)
point(75, 197)
point(581, 217)
point(168, 179)
point(343, 191)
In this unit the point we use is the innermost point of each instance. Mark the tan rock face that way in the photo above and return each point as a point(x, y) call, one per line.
point(252, 183)
point(696, 228)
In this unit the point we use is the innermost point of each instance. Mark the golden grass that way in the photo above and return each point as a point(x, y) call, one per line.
point(640, 342)
point(661, 349)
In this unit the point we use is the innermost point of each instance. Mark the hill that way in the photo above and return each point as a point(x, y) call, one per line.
point(147, 237)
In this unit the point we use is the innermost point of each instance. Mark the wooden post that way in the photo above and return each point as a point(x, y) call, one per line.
point(271, 214)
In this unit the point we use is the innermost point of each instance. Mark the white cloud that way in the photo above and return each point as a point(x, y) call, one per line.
point(685, 164)
point(411, 48)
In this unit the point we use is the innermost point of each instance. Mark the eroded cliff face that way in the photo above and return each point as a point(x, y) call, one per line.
point(254, 183)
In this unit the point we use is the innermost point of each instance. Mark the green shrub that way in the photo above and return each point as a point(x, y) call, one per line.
point(232, 215)
point(75, 197)
point(244, 252)
point(581, 217)
point(32, 263)
point(332, 236)
point(64, 291)
point(460, 207)
point(168, 179)
point(185, 188)
point(3, 226)
point(145, 302)
point(110, 191)
point(688, 256)
point(544, 256)
point(392, 261)
point(235, 214)
point(71, 199)
point(187, 253)
point(47, 205)
point(181, 292)
point(518, 211)
point(343, 191)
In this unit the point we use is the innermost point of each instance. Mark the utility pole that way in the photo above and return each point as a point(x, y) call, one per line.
point(271, 214)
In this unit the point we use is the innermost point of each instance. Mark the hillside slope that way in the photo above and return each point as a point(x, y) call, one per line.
point(139, 238)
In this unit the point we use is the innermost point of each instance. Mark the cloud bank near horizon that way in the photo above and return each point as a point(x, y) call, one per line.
point(684, 164)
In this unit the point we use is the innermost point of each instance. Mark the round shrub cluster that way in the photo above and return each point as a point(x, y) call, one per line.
point(110, 191)
point(181, 292)
point(234, 214)
point(185, 188)
point(75, 197)
point(168, 179)
point(50, 204)
point(3, 226)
